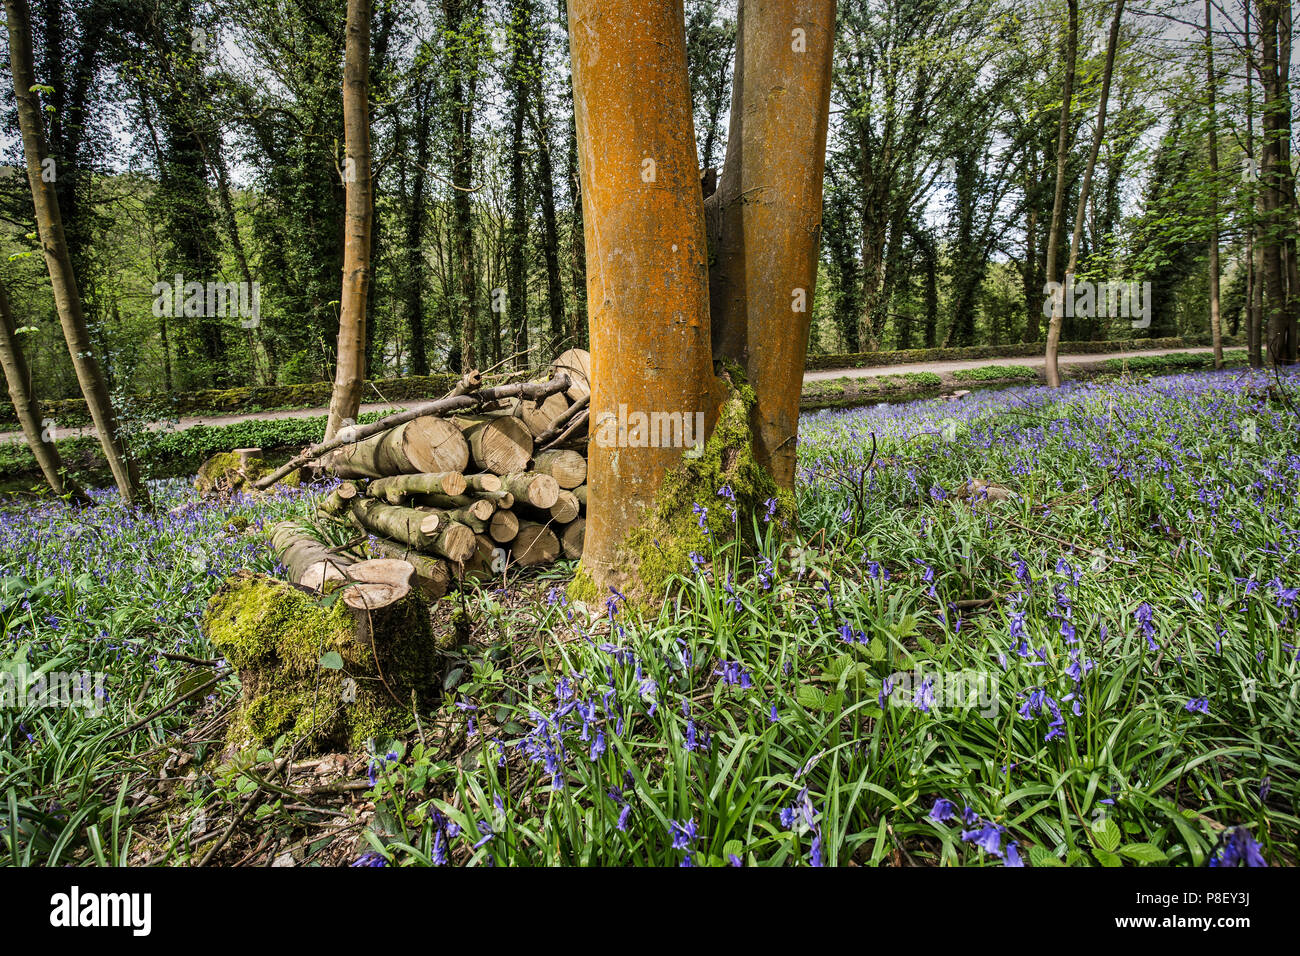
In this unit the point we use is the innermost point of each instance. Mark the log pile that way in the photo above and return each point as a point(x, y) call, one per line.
point(466, 491)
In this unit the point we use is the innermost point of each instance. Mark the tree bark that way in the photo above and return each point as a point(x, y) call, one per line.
point(769, 212)
point(67, 297)
point(1085, 187)
point(1212, 145)
point(1058, 202)
point(647, 260)
point(350, 374)
point(27, 408)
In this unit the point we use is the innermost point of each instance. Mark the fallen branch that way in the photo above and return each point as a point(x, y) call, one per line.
point(443, 406)
point(558, 426)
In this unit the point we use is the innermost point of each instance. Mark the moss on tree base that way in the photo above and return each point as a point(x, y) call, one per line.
point(691, 507)
point(277, 636)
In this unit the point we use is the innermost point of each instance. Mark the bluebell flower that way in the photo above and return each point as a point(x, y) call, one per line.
point(1237, 848)
point(943, 810)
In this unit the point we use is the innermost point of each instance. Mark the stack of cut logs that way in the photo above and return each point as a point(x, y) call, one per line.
point(459, 495)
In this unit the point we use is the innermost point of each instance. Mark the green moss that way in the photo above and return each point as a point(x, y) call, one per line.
point(661, 546)
point(276, 635)
point(225, 472)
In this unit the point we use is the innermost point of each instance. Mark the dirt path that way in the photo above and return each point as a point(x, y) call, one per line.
point(941, 368)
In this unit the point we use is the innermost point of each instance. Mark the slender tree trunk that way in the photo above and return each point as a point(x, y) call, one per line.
point(1085, 187)
point(647, 261)
point(350, 376)
point(1212, 144)
point(67, 298)
point(1058, 202)
point(1033, 292)
point(1254, 257)
point(1286, 178)
point(769, 212)
point(461, 18)
point(27, 408)
point(415, 240)
point(550, 225)
point(517, 229)
point(1274, 324)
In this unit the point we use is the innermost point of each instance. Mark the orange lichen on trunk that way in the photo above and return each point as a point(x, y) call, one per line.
point(766, 215)
point(647, 267)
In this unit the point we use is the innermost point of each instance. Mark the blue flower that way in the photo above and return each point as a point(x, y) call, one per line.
point(1237, 848)
point(988, 838)
point(943, 810)
point(1198, 705)
point(683, 834)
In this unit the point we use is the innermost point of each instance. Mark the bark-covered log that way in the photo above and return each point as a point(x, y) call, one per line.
point(393, 489)
point(541, 416)
point(492, 499)
point(576, 363)
point(309, 563)
point(426, 445)
point(433, 575)
point(534, 544)
point(571, 538)
point(564, 423)
point(530, 488)
point(504, 526)
point(483, 482)
point(482, 564)
point(498, 444)
point(566, 507)
point(339, 500)
point(443, 406)
point(568, 468)
point(411, 526)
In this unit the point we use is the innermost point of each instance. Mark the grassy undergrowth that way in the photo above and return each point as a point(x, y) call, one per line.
point(1031, 626)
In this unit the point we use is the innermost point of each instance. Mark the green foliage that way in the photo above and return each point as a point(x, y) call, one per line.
point(993, 373)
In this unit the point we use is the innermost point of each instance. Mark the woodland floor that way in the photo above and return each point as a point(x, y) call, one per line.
point(1025, 626)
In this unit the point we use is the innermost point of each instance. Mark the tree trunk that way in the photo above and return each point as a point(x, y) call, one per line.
point(1274, 324)
point(1058, 202)
point(1085, 187)
point(67, 297)
point(1254, 252)
point(350, 375)
point(28, 410)
point(768, 213)
point(517, 229)
point(415, 240)
point(647, 260)
point(1216, 332)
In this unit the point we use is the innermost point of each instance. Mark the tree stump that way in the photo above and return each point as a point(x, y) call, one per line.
point(328, 674)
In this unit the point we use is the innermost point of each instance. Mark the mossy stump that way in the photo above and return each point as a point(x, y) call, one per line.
point(230, 471)
point(326, 675)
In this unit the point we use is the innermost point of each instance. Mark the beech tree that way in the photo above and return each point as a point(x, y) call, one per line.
point(659, 314)
point(1058, 202)
point(67, 297)
point(27, 408)
point(350, 374)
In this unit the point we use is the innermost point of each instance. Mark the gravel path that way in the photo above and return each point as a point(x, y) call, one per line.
point(941, 368)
